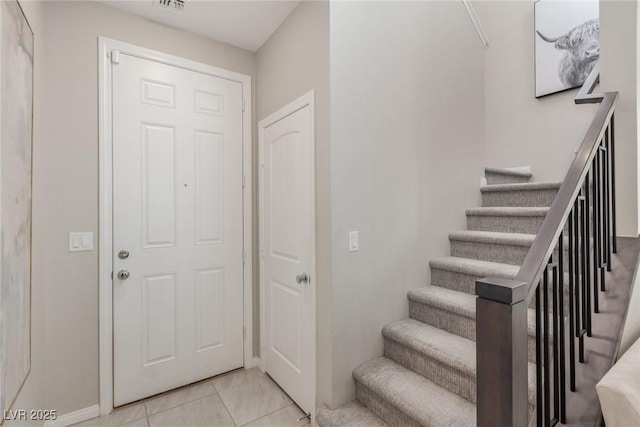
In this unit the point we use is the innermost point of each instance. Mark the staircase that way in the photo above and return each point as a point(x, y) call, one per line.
point(427, 376)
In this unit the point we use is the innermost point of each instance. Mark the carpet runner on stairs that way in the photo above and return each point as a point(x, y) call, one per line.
point(427, 375)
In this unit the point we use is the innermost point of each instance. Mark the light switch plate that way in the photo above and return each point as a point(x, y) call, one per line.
point(81, 242)
point(354, 241)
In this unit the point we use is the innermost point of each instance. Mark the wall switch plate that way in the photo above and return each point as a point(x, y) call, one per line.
point(80, 242)
point(354, 241)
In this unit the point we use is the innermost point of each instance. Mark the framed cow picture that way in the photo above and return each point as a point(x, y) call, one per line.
point(567, 44)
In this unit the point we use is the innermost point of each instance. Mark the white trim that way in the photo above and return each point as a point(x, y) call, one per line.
point(257, 363)
point(307, 99)
point(476, 22)
point(105, 46)
point(75, 417)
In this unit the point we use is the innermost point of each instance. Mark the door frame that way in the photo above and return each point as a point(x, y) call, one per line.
point(105, 201)
point(305, 100)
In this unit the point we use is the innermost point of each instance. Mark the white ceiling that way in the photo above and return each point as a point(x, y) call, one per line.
point(245, 24)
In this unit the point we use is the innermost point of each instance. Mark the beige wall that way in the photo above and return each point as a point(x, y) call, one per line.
point(32, 395)
point(543, 133)
point(70, 191)
point(292, 62)
point(407, 144)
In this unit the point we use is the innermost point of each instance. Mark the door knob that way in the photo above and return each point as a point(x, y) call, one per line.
point(123, 274)
point(302, 278)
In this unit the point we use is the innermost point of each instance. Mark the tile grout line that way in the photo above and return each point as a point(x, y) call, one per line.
point(225, 407)
point(181, 404)
point(266, 415)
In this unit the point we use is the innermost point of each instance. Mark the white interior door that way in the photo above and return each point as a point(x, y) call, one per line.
point(177, 218)
point(288, 249)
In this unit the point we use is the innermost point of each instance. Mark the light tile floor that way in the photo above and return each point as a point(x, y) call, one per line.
point(238, 398)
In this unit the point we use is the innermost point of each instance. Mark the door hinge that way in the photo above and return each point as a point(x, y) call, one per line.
point(244, 333)
point(244, 257)
point(244, 181)
point(243, 104)
point(115, 57)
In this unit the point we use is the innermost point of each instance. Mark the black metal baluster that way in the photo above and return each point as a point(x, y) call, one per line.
point(595, 168)
point(572, 323)
point(561, 348)
point(556, 333)
point(607, 198)
point(587, 252)
point(539, 367)
point(545, 335)
point(612, 156)
point(583, 282)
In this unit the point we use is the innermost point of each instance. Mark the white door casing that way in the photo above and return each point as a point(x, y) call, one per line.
point(287, 241)
point(173, 158)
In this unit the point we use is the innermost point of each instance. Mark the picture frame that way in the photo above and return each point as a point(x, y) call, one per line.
point(16, 145)
point(566, 44)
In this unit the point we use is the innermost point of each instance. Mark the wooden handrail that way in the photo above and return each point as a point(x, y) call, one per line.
point(536, 260)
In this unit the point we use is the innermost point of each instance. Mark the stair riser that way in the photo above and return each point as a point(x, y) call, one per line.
point(452, 379)
point(455, 323)
point(455, 281)
point(495, 252)
point(383, 408)
point(518, 198)
point(498, 178)
point(451, 322)
point(505, 224)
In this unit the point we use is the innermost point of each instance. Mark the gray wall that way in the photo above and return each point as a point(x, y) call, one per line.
point(407, 146)
point(520, 129)
point(69, 195)
point(292, 62)
point(32, 395)
point(618, 72)
point(543, 133)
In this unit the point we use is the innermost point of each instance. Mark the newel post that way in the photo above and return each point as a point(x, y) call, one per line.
point(501, 357)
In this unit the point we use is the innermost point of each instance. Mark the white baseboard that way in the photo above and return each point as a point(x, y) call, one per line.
point(75, 417)
point(257, 362)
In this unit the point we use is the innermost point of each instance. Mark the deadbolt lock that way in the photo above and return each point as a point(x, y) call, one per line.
point(123, 254)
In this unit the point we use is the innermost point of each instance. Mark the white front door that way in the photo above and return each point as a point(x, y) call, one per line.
point(177, 227)
point(288, 249)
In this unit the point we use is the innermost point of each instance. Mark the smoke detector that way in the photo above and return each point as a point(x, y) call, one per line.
point(170, 5)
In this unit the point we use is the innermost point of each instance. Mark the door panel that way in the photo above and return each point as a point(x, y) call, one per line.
point(177, 208)
point(288, 232)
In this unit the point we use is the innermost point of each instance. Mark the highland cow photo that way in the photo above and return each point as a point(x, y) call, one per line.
point(566, 44)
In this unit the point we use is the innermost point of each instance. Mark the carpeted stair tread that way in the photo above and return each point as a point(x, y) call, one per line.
point(351, 414)
point(442, 346)
point(514, 239)
point(412, 394)
point(507, 211)
point(445, 299)
point(474, 267)
point(457, 302)
point(512, 172)
point(521, 186)
point(438, 344)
